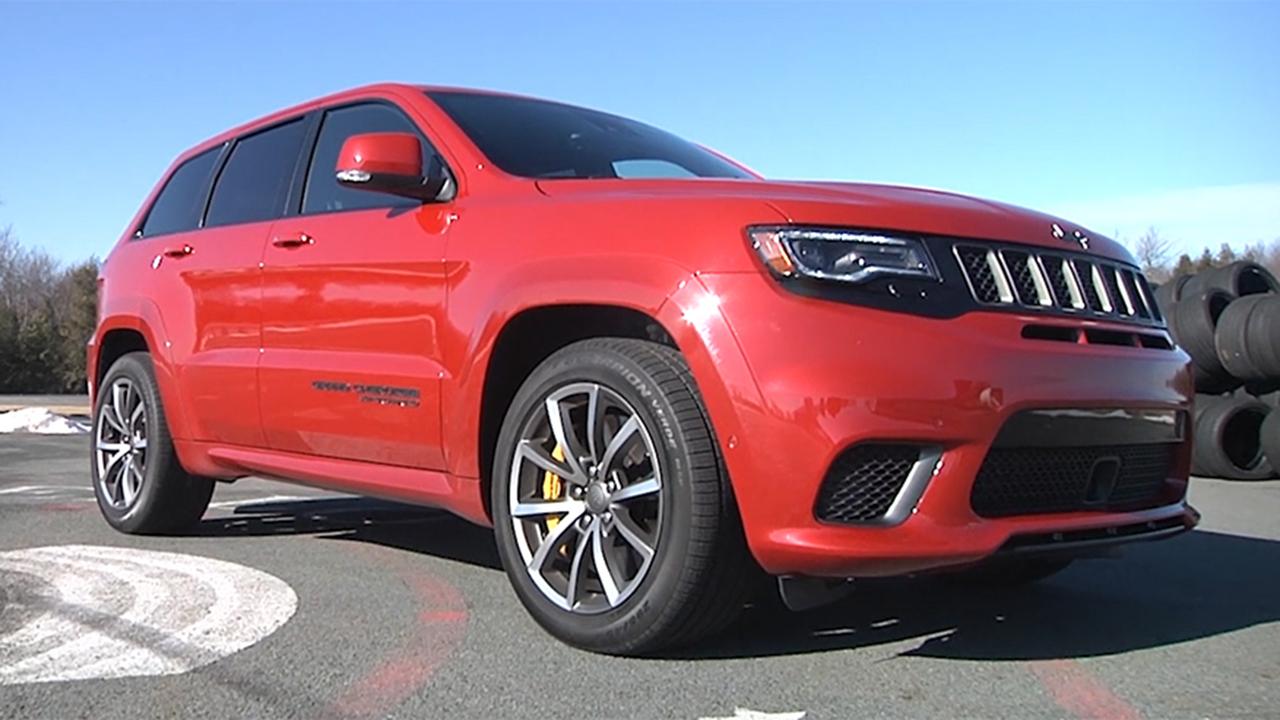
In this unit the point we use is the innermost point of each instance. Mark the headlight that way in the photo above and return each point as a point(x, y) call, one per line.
point(846, 255)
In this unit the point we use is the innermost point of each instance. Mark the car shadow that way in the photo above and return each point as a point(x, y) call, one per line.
point(1200, 584)
point(412, 528)
point(1197, 585)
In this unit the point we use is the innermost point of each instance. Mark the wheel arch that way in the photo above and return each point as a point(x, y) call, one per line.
point(118, 335)
point(531, 336)
point(687, 319)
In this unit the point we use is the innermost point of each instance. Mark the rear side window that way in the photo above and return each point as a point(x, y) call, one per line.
point(254, 185)
point(323, 193)
point(178, 207)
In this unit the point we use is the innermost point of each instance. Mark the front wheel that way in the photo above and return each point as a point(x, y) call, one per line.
point(613, 512)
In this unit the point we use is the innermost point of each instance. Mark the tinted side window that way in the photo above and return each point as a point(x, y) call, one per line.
point(178, 207)
point(323, 193)
point(254, 185)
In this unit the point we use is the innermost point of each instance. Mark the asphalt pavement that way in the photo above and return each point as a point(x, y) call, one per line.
point(291, 602)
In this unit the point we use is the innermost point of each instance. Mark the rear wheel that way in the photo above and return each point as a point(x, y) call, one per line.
point(139, 484)
point(612, 509)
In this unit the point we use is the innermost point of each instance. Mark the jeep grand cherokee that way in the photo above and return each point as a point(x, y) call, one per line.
point(652, 371)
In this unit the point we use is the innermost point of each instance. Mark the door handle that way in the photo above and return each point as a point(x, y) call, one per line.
point(179, 252)
point(294, 242)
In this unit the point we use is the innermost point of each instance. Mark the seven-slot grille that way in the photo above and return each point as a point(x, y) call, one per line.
point(1053, 281)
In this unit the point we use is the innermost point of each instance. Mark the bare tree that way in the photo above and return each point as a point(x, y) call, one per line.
point(27, 275)
point(1153, 253)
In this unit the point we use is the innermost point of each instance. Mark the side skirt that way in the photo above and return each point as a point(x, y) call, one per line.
point(460, 496)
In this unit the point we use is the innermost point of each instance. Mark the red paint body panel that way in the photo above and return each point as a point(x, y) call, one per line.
point(357, 361)
point(829, 379)
point(361, 305)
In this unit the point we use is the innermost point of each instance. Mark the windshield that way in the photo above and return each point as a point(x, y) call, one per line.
point(540, 139)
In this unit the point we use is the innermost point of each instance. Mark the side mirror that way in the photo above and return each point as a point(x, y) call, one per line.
point(388, 163)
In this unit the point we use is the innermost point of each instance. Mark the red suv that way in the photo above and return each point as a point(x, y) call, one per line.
point(652, 371)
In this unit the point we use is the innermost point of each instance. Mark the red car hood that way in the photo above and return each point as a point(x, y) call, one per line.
point(883, 207)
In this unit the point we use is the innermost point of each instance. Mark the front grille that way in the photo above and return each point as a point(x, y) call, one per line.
point(1030, 480)
point(864, 481)
point(1004, 276)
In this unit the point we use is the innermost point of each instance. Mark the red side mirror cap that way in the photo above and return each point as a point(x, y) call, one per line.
point(386, 162)
point(381, 154)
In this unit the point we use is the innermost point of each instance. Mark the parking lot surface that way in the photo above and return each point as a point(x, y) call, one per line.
point(290, 602)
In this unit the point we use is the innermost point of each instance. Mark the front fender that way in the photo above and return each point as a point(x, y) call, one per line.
point(642, 285)
point(693, 317)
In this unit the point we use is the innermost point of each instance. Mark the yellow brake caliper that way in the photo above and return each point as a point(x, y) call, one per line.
point(552, 486)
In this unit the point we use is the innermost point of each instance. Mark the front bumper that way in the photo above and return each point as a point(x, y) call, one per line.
point(828, 376)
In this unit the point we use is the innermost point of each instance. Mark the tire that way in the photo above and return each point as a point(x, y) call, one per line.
point(1213, 383)
point(1270, 437)
point(1193, 322)
point(1227, 439)
point(1170, 293)
point(130, 430)
point(699, 572)
point(1202, 403)
point(1009, 573)
point(1248, 338)
point(1272, 400)
point(1239, 278)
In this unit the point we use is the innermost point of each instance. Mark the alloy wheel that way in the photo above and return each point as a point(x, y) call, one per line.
point(120, 444)
point(586, 498)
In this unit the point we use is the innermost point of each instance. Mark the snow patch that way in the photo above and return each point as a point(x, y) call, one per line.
point(40, 420)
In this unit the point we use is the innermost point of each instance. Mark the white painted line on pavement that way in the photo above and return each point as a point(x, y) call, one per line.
point(23, 489)
point(745, 714)
point(106, 612)
point(44, 490)
point(257, 500)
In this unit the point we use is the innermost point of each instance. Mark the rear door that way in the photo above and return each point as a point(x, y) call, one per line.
point(353, 301)
point(206, 268)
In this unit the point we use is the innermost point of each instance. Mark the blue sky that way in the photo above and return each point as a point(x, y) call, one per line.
point(1117, 115)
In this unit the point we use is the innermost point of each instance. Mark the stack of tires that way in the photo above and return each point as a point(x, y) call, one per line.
point(1228, 320)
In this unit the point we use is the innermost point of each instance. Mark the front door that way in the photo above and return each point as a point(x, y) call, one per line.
point(353, 298)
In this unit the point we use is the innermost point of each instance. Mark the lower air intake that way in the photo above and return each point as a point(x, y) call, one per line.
point(864, 481)
point(1031, 480)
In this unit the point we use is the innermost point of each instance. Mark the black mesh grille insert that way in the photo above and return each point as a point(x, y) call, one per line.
point(1024, 282)
point(1029, 480)
point(863, 482)
point(1113, 289)
point(1135, 284)
point(1150, 296)
point(978, 269)
point(1084, 271)
point(1057, 273)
